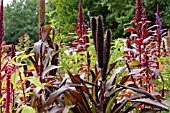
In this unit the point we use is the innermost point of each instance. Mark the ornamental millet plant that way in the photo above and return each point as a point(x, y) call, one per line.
point(102, 47)
point(102, 44)
point(41, 30)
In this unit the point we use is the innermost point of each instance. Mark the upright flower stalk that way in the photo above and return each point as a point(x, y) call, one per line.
point(81, 24)
point(100, 40)
point(1, 38)
point(102, 47)
point(41, 30)
point(137, 18)
point(159, 29)
point(83, 40)
point(8, 89)
point(102, 44)
point(138, 12)
point(42, 12)
point(41, 17)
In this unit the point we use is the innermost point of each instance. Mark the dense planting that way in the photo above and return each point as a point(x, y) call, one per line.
point(90, 74)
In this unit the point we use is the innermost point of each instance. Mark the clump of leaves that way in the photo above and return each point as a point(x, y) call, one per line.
point(23, 43)
point(76, 94)
point(164, 66)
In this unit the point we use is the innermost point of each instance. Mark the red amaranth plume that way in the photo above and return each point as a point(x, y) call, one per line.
point(1, 21)
point(138, 13)
point(8, 88)
point(1, 36)
point(81, 24)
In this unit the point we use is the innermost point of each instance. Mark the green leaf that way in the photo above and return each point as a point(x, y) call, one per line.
point(28, 109)
point(35, 81)
point(2, 98)
point(14, 77)
point(25, 109)
point(134, 63)
point(110, 103)
point(26, 56)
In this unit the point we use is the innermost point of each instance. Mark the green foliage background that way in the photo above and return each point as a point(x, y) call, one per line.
point(115, 13)
point(21, 17)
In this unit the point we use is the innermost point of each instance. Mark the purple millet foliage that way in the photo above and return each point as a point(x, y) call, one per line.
point(138, 13)
point(1, 21)
point(81, 24)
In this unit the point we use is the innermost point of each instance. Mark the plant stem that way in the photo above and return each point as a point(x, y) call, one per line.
point(22, 88)
point(0, 76)
point(7, 105)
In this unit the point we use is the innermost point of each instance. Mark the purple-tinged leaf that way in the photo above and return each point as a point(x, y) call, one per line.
point(117, 110)
point(148, 22)
point(110, 94)
point(147, 39)
point(140, 90)
point(67, 108)
point(154, 26)
point(49, 68)
point(147, 110)
point(63, 82)
point(52, 98)
point(156, 71)
point(124, 79)
point(131, 50)
point(46, 61)
point(110, 82)
point(136, 71)
point(151, 102)
point(56, 109)
point(114, 64)
point(164, 34)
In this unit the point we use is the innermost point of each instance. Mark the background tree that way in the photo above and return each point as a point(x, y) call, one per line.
point(124, 11)
point(62, 13)
point(116, 13)
point(21, 17)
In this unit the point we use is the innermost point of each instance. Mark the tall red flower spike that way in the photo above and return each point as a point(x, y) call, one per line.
point(138, 13)
point(82, 27)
